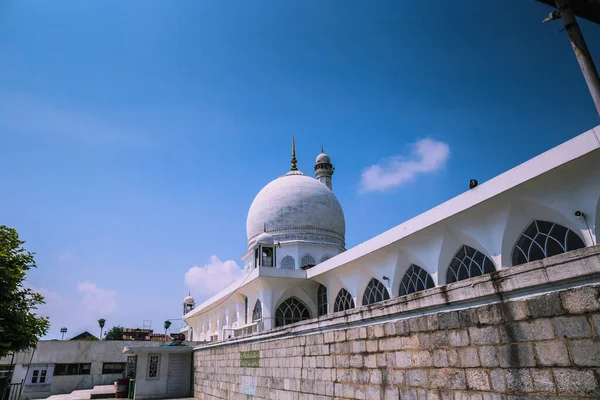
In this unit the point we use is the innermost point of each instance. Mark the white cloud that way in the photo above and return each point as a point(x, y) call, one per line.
point(212, 277)
point(97, 301)
point(427, 156)
point(68, 257)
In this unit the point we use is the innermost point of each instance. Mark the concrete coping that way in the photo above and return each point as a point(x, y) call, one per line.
point(165, 349)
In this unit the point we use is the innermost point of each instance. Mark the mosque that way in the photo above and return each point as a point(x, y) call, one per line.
point(297, 267)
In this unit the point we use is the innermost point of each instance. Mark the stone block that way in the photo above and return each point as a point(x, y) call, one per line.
point(489, 315)
point(403, 359)
point(373, 393)
point(425, 341)
point(458, 337)
point(389, 329)
point(416, 377)
point(585, 352)
point(375, 377)
point(390, 359)
point(484, 335)
point(524, 331)
point(440, 339)
point(455, 379)
point(448, 320)
point(372, 346)
point(395, 377)
point(468, 357)
point(339, 336)
point(438, 378)
point(543, 380)
point(519, 380)
point(548, 305)
point(516, 355)
point(514, 310)
point(421, 358)
point(572, 327)
point(580, 300)
point(580, 382)
point(477, 379)
point(359, 346)
point(356, 361)
point(402, 327)
point(408, 394)
point(381, 360)
point(498, 380)
point(440, 358)
point(488, 357)
point(371, 361)
point(552, 353)
point(352, 334)
point(595, 318)
point(418, 324)
point(468, 317)
point(453, 360)
point(378, 331)
point(409, 342)
point(390, 393)
point(342, 361)
point(328, 337)
point(433, 322)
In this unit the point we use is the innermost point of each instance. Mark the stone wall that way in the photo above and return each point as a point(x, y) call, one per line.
point(544, 347)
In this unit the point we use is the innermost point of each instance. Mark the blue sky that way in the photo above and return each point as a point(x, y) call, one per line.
point(134, 135)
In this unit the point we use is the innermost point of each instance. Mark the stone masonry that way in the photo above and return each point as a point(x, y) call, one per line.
point(544, 347)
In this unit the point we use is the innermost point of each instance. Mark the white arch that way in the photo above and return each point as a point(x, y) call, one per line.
point(452, 242)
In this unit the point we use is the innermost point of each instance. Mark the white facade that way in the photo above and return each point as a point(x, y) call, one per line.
point(49, 355)
point(552, 199)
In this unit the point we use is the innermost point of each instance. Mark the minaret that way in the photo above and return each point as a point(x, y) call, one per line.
point(324, 169)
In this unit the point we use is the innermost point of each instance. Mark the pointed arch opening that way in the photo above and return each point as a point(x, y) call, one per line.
point(467, 263)
point(321, 300)
point(543, 239)
point(257, 311)
point(325, 257)
point(308, 261)
point(288, 262)
point(343, 301)
point(415, 279)
point(375, 292)
point(290, 311)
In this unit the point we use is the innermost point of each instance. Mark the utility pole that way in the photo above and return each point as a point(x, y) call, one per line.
point(63, 331)
point(566, 13)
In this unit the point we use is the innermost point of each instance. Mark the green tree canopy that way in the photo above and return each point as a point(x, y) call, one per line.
point(20, 326)
point(114, 333)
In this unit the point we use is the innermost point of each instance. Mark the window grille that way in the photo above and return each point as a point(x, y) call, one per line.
point(257, 312)
point(343, 301)
point(113, 368)
point(467, 263)
point(288, 262)
point(325, 258)
point(375, 292)
point(414, 280)
point(39, 375)
point(308, 261)
point(153, 366)
point(267, 257)
point(72, 369)
point(543, 239)
point(290, 311)
point(321, 300)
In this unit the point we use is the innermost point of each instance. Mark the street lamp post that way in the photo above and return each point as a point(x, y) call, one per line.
point(101, 322)
point(63, 330)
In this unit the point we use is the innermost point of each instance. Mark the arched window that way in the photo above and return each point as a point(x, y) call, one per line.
point(343, 301)
point(308, 261)
point(245, 310)
point(325, 257)
point(543, 239)
point(415, 279)
point(322, 300)
point(288, 262)
point(290, 311)
point(257, 312)
point(467, 263)
point(234, 317)
point(375, 292)
point(267, 257)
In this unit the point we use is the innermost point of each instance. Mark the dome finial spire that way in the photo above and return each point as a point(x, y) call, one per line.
point(322, 149)
point(264, 226)
point(294, 161)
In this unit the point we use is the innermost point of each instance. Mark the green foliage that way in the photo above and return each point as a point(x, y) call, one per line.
point(20, 326)
point(114, 333)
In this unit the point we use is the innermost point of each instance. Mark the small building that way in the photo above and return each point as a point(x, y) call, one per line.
point(61, 366)
point(163, 372)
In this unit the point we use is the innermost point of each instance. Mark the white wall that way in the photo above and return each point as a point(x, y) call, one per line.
point(157, 388)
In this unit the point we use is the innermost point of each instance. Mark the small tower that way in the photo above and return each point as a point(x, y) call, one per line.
point(324, 169)
point(188, 304)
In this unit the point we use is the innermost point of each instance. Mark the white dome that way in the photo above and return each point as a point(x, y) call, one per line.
point(265, 238)
point(323, 159)
point(296, 207)
point(188, 300)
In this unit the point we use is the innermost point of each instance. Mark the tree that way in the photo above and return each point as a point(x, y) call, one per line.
point(20, 326)
point(114, 333)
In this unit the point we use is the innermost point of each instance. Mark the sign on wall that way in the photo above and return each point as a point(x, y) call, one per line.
point(250, 359)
